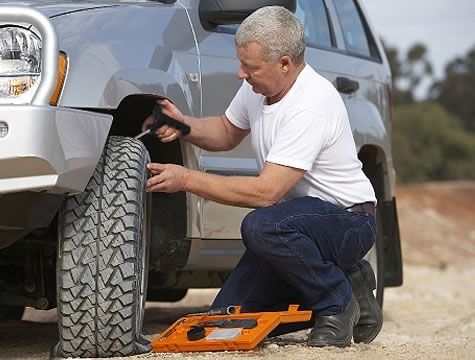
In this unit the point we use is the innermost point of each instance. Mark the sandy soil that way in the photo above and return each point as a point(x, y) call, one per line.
point(430, 317)
point(437, 223)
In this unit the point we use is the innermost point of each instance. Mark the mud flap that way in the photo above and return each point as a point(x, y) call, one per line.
point(392, 243)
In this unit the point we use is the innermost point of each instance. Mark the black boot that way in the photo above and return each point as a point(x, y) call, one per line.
point(363, 283)
point(335, 330)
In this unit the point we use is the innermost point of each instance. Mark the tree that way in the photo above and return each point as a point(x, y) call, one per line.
point(416, 66)
point(429, 144)
point(456, 92)
point(410, 72)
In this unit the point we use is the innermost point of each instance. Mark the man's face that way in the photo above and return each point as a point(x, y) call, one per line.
point(265, 77)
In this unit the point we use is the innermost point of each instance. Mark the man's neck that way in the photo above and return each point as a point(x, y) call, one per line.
point(292, 78)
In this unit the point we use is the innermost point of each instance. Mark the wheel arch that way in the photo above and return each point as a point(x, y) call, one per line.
point(169, 250)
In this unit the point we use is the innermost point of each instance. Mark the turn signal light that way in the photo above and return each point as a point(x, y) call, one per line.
point(62, 70)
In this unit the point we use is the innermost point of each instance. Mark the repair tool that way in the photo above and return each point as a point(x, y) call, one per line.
point(229, 310)
point(196, 333)
point(230, 323)
point(236, 331)
point(161, 119)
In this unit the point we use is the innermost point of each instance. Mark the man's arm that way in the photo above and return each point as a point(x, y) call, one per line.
point(215, 133)
point(245, 191)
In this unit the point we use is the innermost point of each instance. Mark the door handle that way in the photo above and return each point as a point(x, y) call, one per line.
point(346, 86)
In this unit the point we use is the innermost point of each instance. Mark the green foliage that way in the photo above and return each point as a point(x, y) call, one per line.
point(433, 140)
point(430, 144)
point(456, 91)
point(409, 71)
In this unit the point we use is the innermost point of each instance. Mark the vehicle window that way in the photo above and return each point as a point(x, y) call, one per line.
point(353, 27)
point(313, 15)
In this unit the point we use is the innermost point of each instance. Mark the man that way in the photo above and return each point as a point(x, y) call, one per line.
point(315, 208)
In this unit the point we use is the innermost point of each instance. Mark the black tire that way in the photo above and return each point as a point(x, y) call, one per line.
point(11, 312)
point(102, 263)
point(376, 258)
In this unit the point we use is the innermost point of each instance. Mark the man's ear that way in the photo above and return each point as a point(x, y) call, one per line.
point(285, 63)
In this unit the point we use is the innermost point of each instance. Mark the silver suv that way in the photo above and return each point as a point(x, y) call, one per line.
point(77, 78)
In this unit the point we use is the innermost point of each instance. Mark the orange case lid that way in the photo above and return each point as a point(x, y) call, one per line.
point(174, 338)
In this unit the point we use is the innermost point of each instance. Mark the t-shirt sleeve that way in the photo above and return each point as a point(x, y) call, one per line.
point(237, 111)
point(299, 140)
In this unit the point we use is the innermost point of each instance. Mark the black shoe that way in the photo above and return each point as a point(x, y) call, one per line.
point(363, 283)
point(335, 330)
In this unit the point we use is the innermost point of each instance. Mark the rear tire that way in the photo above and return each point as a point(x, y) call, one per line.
point(102, 263)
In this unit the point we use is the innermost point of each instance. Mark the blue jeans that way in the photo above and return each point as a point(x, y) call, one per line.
point(298, 252)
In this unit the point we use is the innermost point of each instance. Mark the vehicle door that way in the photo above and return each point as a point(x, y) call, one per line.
point(341, 47)
point(219, 84)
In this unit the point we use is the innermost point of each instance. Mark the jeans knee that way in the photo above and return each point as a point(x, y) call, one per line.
point(253, 230)
point(249, 227)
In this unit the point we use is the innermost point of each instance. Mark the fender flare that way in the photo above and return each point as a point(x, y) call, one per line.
point(368, 126)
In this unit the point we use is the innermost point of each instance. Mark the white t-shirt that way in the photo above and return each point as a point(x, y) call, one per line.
point(307, 129)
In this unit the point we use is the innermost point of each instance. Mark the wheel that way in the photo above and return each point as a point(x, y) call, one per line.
point(102, 263)
point(376, 258)
point(11, 312)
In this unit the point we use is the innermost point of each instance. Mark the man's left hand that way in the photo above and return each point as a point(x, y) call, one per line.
point(168, 178)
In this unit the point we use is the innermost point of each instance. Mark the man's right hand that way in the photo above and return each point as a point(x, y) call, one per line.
point(213, 133)
point(166, 133)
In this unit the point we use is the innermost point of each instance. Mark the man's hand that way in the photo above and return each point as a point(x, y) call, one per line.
point(166, 133)
point(168, 178)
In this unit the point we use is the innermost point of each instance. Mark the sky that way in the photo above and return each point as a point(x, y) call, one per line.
point(446, 27)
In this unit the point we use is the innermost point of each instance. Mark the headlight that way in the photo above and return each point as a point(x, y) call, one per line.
point(20, 60)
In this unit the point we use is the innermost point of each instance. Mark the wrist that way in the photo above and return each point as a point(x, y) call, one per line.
point(187, 174)
point(186, 120)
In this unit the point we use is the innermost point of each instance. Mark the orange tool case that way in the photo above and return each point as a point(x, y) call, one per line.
point(232, 331)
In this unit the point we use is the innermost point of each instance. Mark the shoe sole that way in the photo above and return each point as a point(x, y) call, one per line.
point(370, 280)
point(340, 344)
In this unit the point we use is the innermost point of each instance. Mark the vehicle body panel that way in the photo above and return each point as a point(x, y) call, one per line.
point(50, 149)
point(119, 52)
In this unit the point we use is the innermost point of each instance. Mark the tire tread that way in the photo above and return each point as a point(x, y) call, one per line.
point(100, 256)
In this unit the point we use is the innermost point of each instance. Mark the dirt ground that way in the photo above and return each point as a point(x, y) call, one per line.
point(431, 316)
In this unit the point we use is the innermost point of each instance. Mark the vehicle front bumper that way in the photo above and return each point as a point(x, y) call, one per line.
point(50, 149)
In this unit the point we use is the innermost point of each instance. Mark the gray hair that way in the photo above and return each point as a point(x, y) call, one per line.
point(277, 30)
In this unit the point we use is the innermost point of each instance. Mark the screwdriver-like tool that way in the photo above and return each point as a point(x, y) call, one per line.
point(229, 310)
point(161, 119)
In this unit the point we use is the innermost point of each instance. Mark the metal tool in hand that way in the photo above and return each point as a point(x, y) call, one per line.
point(161, 119)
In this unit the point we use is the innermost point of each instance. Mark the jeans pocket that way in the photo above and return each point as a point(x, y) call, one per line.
point(356, 243)
point(366, 237)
